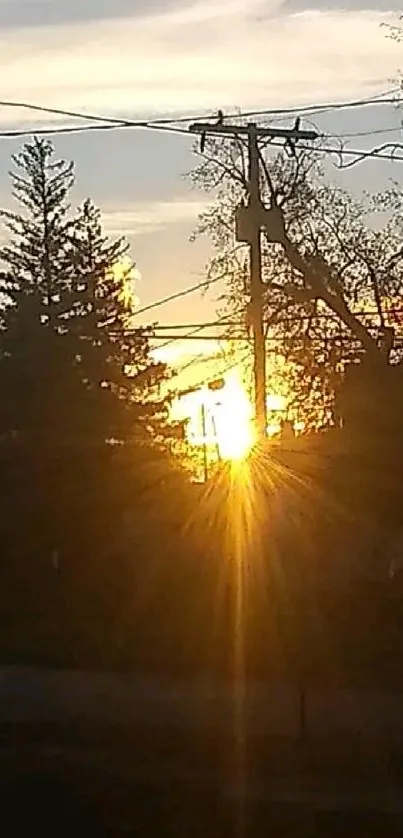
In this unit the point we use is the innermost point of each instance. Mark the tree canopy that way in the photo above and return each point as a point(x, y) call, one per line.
point(332, 267)
point(70, 313)
point(84, 442)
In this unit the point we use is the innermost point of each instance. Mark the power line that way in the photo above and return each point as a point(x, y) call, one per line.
point(370, 133)
point(359, 153)
point(116, 120)
point(176, 296)
point(173, 337)
point(204, 325)
point(168, 123)
point(59, 111)
point(197, 328)
point(307, 109)
point(85, 129)
point(331, 106)
point(169, 339)
point(219, 131)
point(274, 340)
point(298, 318)
point(217, 374)
point(76, 114)
point(197, 359)
point(220, 374)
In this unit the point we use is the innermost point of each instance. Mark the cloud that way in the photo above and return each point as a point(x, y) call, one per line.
point(39, 13)
point(147, 217)
point(35, 13)
point(197, 56)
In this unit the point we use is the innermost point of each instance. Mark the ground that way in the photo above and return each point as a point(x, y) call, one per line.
point(118, 781)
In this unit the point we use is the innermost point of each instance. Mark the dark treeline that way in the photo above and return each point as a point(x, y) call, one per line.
point(110, 556)
point(89, 484)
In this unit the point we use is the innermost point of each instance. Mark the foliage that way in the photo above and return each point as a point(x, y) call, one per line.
point(70, 359)
point(332, 264)
point(88, 480)
point(109, 350)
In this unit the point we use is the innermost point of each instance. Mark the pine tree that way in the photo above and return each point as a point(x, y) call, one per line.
point(36, 258)
point(112, 355)
point(37, 273)
point(71, 363)
point(74, 374)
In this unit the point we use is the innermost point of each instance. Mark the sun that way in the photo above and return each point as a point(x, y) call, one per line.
point(233, 421)
point(235, 444)
point(220, 420)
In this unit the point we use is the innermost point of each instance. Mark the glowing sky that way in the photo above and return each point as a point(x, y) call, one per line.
point(152, 57)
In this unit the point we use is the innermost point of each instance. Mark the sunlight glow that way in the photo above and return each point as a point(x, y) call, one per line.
point(127, 274)
point(220, 419)
point(275, 402)
point(233, 421)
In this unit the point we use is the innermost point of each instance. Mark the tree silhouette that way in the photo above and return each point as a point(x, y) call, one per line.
point(68, 320)
point(35, 281)
point(83, 435)
point(333, 279)
point(113, 355)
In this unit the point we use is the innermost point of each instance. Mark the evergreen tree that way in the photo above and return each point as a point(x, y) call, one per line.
point(37, 272)
point(71, 361)
point(73, 372)
point(112, 355)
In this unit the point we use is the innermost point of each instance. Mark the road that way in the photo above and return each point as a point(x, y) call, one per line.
point(160, 746)
point(30, 694)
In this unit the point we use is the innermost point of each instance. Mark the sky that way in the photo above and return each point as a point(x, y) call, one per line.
point(152, 58)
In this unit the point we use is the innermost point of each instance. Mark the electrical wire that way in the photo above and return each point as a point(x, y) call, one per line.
point(176, 296)
point(272, 342)
point(359, 153)
point(195, 330)
point(76, 114)
point(173, 326)
point(194, 361)
point(370, 133)
point(169, 123)
point(195, 327)
point(174, 338)
point(116, 120)
point(85, 129)
point(107, 123)
point(202, 383)
point(331, 106)
point(170, 339)
point(275, 341)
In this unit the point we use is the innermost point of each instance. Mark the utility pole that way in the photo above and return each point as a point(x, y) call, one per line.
point(256, 285)
point(249, 223)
